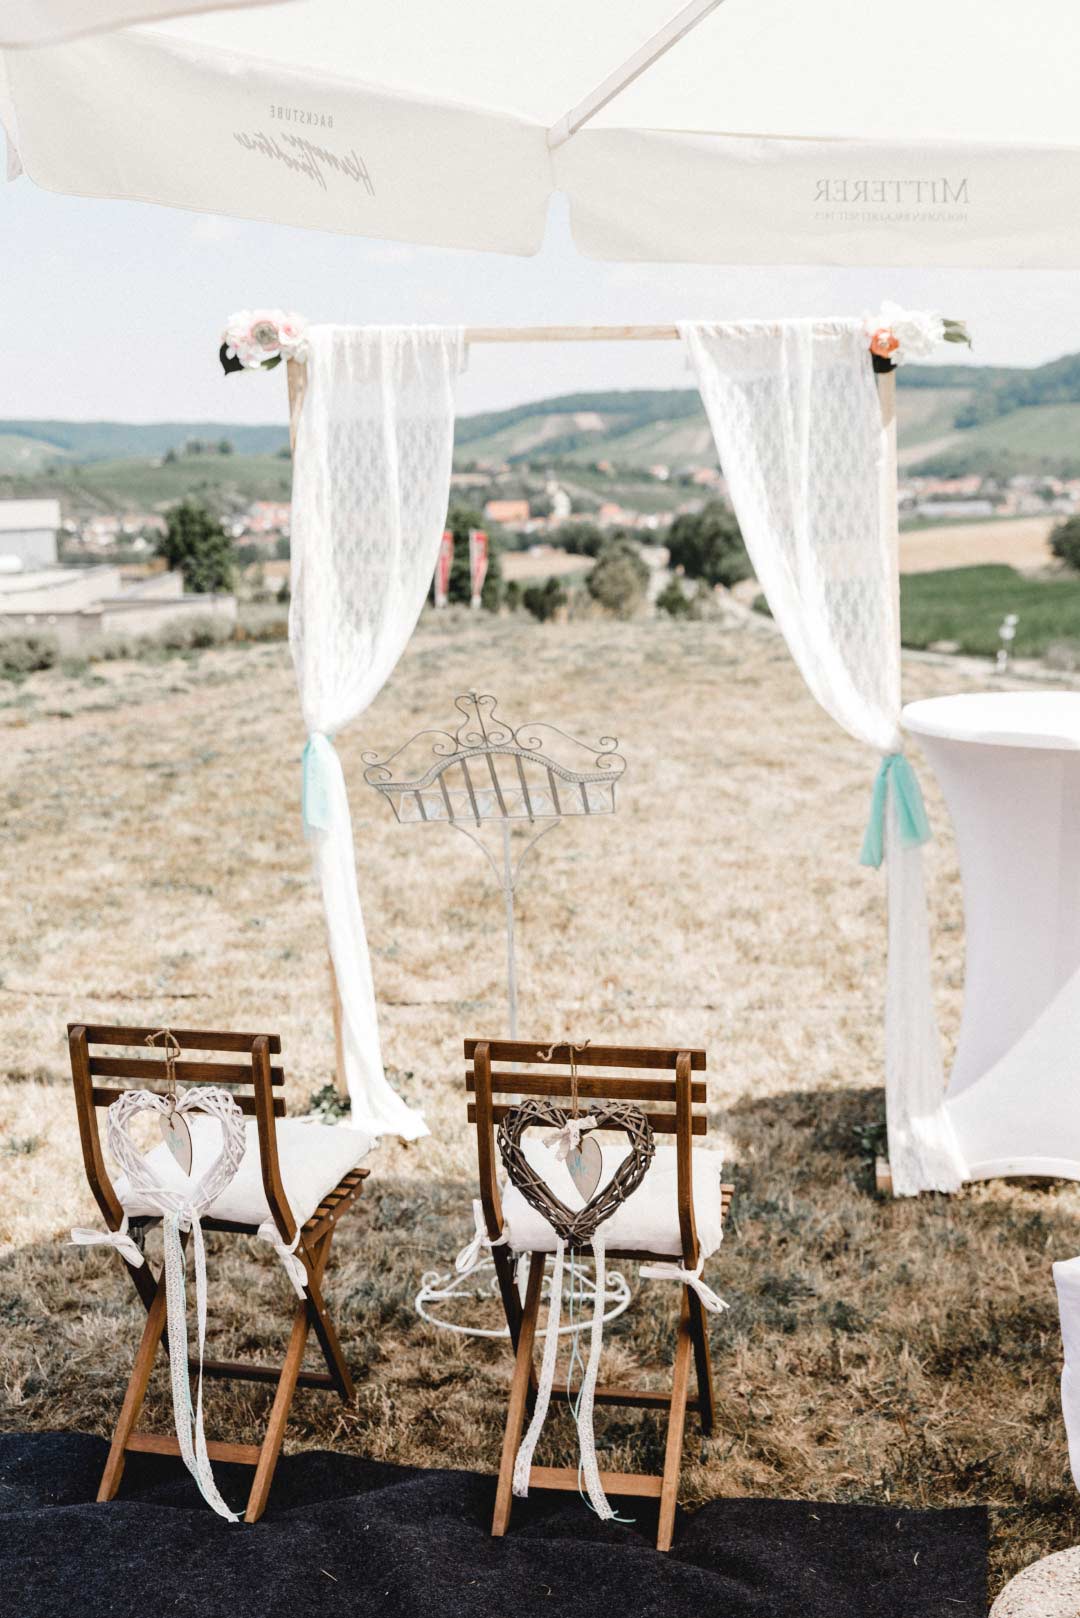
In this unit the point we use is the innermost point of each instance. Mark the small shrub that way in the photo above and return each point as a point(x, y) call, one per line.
point(674, 600)
point(27, 654)
point(194, 634)
point(263, 622)
point(545, 601)
point(1065, 542)
point(21, 1145)
point(329, 1104)
point(110, 648)
point(619, 579)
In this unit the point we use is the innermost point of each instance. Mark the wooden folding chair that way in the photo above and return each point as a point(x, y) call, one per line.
point(684, 1117)
point(253, 1081)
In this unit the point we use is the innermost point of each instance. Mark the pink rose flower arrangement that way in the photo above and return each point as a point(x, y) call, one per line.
point(259, 339)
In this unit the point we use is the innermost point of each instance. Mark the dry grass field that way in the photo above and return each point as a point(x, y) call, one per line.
point(154, 871)
point(1020, 542)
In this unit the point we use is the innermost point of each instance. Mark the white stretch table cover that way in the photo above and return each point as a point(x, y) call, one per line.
point(1067, 1281)
point(1009, 767)
point(828, 132)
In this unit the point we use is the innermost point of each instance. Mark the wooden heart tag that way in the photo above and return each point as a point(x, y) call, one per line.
point(576, 1227)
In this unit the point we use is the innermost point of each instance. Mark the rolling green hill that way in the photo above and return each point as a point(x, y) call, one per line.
point(39, 442)
point(225, 482)
point(952, 418)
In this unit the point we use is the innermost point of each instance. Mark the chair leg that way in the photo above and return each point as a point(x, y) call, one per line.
point(324, 1327)
point(669, 1488)
point(504, 1272)
point(699, 1329)
point(136, 1391)
point(519, 1392)
point(305, 1316)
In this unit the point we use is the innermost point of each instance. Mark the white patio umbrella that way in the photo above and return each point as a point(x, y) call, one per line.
point(751, 131)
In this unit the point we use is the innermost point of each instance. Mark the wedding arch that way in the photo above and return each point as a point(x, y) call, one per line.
point(807, 442)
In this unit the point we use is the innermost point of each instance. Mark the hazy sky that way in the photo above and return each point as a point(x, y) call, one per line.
point(114, 309)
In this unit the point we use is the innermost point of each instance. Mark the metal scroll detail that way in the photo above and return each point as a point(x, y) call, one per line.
point(486, 770)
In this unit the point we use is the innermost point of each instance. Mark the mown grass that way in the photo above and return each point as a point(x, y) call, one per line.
point(901, 1352)
point(966, 606)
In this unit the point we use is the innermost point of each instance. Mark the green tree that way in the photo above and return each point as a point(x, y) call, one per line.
point(619, 579)
point(583, 538)
point(195, 543)
point(1065, 542)
point(707, 544)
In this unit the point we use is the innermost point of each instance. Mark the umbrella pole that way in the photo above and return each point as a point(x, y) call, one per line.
point(297, 375)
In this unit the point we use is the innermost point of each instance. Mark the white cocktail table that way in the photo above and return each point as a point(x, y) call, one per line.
point(1009, 767)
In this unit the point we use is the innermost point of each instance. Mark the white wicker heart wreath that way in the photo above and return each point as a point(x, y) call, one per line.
point(194, 1198)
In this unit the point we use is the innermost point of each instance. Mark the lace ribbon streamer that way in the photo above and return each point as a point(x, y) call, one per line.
point(688, 1278)
point(83, 1236)
point(586, 1439)
point(469, 1258)
point(293, 1266)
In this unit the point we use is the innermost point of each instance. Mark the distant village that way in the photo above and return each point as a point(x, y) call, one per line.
point(81, 575)
point(525, 520)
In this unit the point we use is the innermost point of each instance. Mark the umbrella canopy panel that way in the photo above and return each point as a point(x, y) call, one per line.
point(828, 132)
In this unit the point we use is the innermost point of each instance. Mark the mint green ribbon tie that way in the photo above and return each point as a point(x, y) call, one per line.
point(315, 782)
point(910, 809)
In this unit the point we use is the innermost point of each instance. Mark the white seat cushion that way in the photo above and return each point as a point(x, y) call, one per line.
point(312, 1158)
point(648, 1221)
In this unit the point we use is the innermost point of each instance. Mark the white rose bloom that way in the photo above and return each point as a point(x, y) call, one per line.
point(918, 331)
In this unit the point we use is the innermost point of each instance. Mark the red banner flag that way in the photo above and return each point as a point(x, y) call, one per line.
point(442, 568)
point(478, 562)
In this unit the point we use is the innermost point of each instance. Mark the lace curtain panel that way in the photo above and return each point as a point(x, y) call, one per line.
point(371, 481)
point(795, 415)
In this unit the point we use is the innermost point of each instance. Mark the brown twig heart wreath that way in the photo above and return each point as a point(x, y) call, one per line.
point(576, 1227)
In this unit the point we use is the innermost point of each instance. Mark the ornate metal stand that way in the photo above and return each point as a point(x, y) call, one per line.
point(486, 772)
point(482, 1285)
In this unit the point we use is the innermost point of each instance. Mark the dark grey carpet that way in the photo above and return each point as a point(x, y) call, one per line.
point(345, 1537)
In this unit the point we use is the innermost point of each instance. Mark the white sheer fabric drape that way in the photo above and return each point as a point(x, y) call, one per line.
point(371, 480)
point(794, 411)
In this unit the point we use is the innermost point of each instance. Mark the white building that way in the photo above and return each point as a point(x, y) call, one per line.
point(28, 531)
point(77, 604)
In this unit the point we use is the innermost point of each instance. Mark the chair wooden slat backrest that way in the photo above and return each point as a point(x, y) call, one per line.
point(678, 1103)
point(251, 1077)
